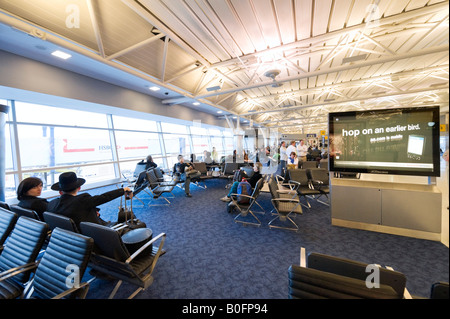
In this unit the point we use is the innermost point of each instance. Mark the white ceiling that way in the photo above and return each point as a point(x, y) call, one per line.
point(278, 63)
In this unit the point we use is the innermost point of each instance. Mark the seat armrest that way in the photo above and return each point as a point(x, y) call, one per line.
point(143, 247)
point(84, 286)
point(11, 272)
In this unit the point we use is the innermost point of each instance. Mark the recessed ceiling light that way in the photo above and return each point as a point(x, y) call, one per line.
point(196, 103)
point(154, 88)
point(61, 55)
point(220, 112)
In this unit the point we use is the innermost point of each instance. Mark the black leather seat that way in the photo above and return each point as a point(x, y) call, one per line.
point(162, 181)
point(62, 267)
point(57, 220)
point(140, 184)
point(245, 209)
point(156, 188)
point(320, 180)
point(304, 187)
point(201, 167)
point(19, 254)
point(20, 211)
point(111, 257)
point(328, 277)
point(7, 221)
point(285, 205)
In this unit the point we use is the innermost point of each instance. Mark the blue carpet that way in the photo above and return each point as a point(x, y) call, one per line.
point(209, 256)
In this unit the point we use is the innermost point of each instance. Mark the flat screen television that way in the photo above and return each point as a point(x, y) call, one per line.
point(403, 141)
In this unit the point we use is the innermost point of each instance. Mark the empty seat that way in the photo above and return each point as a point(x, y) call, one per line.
point(320, 180)
point(111, 257)
point(328, 277)
point(304, 188)
point(20, 211)
point(57, 220)
point(156, 188)
point(18, 258)
point(62, 267)
point(285, 205)
point(7, 221)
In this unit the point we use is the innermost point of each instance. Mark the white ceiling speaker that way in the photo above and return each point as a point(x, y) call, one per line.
point(272, 74)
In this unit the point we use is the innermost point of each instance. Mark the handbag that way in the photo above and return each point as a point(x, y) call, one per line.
point(192, 172)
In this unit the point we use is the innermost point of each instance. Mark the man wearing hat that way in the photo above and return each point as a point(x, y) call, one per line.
point(83, 207)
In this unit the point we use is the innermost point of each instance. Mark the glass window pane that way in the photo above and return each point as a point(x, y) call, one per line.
point(215, 132)
point(137, 145)
point(8, 150)
point(35, 113)
point(177, 144)
point(128, 123)
point(173, 128)
point(43, 146)
point(200, 144)
point(195, 130)
point(10, 186)
point(92, 174)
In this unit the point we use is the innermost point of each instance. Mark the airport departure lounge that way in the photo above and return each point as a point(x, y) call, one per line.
point(224, 157)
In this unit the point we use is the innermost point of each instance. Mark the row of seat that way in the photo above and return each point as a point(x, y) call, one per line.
point(321, 276)
point(154, 183)
point(55, 255)
point(311, 182)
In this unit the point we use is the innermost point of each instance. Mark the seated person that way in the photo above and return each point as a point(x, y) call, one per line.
point(186, 173)
point(207, 157)
point(292, 160)
point(252, 180)
point(28, 194)
point(149, 163)
point(83, 207)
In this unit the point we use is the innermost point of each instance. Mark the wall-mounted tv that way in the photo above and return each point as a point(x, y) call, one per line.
point(403, 141)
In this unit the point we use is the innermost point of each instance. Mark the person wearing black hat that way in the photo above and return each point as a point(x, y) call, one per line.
point(83, 207)
point(28, 194)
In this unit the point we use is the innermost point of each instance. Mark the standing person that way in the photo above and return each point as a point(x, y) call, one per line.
point(215, 155)
point(283, 158)
point(83, 207)
point(302, 151)
point(291, 148)
point(28, 194)
point(187, 172)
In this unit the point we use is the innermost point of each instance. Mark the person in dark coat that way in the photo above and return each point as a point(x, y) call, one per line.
point(149, 163)
point(82, 207)
point(28, 194)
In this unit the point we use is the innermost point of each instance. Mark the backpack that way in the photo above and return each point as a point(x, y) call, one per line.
point(244, 188)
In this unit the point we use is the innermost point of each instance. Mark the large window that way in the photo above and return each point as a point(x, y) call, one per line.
point(45, 141)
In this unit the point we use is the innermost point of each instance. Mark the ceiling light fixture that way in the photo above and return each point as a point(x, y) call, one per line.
point(273, 74)
point(61, 55)
point(196, 103)
point(154, 88)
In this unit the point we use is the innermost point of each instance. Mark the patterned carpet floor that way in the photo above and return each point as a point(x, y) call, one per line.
point(209, 256)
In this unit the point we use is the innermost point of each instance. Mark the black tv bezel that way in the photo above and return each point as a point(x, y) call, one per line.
point(388, 171)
